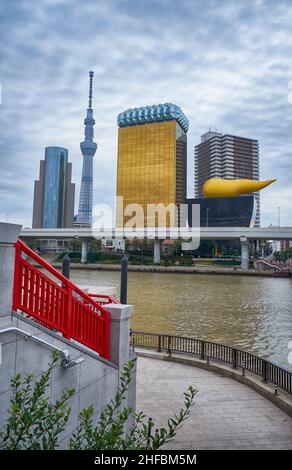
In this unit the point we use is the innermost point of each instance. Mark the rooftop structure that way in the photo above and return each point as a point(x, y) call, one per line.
point(154, 113)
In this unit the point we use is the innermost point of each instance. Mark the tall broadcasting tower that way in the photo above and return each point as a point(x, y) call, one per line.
point(88, 149)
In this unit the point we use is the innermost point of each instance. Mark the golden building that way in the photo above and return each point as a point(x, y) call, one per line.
point(152, 162)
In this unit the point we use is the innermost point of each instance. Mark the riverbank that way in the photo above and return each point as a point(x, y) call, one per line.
point(177, 269)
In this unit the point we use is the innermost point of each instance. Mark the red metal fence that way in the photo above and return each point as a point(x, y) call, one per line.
point(58, 303)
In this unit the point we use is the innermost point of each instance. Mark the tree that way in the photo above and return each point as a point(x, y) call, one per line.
point(282, 255)
point(35, 423)
point(206, 249)
point(76, 244)
point(95, 245)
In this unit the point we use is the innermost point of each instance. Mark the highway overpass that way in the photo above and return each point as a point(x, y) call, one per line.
point(244, 234)
point(206, 233)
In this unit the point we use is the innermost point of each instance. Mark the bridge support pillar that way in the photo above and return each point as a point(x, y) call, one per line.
point(8, 235)
point(84, 251)
point(244, 253)
point(156, 251)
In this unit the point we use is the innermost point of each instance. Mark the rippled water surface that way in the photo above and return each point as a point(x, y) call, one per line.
point(252, 313)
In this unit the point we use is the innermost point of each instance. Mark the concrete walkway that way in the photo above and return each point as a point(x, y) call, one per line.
point(227, 414)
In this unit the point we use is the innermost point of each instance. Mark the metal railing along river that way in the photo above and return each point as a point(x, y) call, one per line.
point(267, 370)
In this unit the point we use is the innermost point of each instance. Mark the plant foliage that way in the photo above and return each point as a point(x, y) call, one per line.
point(34, 423)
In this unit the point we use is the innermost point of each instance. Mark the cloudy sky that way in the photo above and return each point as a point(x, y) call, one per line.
point(228, 64)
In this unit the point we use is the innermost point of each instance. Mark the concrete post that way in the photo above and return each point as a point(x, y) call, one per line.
point(8, 236)
point(84, 251)
point(156, 251)
point(120, 349)
point(244, 253)
point(120, 333)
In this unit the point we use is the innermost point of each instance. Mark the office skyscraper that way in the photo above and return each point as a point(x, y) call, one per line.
point(88, 149)
point(53, 205)
point(152, 157)
point(226, 156)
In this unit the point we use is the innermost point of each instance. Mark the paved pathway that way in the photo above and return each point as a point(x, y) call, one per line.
point(227, 414)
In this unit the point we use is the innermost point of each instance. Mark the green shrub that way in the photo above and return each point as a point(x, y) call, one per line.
point(35, 423)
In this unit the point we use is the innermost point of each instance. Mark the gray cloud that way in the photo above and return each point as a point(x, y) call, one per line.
point(227, 67)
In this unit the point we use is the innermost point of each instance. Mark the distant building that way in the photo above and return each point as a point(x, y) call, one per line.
point(88, 148)
point(226, 156)
point(53, 205)
point(116, 245)
point(285, 245)
point(276, 246)
point(152, 158)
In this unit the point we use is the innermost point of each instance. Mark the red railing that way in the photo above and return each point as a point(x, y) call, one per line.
point(103, 299)
point(58, 303)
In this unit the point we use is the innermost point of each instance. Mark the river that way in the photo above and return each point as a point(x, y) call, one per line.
point(252, 313)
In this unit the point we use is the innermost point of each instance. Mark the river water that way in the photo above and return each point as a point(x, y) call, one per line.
point(252, 313)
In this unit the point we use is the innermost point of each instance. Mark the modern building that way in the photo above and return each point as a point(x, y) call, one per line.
point(237, 211)
point(226, 156)
point(152, 159)
point(88, 148)
point(53, 205)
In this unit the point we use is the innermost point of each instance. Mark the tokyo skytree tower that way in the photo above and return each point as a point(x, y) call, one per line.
point(88, 149)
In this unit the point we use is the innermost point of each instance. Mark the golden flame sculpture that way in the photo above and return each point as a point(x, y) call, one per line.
point(219, 187)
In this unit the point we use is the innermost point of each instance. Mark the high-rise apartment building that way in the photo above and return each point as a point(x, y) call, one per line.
point(88, 148)
point(226, 156)
point(53, 205)
point(152, 158)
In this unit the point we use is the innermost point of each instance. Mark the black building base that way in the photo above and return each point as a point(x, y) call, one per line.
point(224, 211)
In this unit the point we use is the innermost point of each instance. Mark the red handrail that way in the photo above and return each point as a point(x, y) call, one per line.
point(61, 306)
point(104, 299)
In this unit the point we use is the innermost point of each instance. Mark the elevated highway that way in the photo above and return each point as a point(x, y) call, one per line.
point(206, 233)
point(243, 234)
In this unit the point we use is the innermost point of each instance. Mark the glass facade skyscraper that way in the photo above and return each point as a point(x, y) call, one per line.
point(152, 158)
point(56, 161)
point(54, 193)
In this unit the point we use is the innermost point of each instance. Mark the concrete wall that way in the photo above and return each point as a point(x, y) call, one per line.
point(94, 380)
